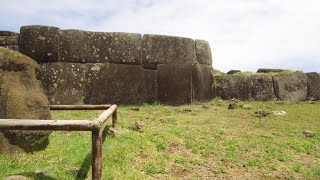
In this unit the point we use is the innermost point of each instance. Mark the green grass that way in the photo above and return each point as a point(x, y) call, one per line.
point(211, 142)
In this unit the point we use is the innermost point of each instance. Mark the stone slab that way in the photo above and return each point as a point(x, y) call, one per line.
point(261, 88)
point(100, 47)
point(9, 40)
point(63, 82)
point(313, 86)
point(290, 87)
point(160, 49)
point(232, 86)
point(40, 43)
point(202, 81)
point(269, 70)
point(175, 83)
point(203, 52)
point(119, 83)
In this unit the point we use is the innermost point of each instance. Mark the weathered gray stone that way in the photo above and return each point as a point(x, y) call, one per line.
point(8, 33)
point(21, 97)
point(9, 40)
point(233, 71)
point(119, 83)
point(175, 83)
point(202, 81)
point(203, 52)
point(261, 88)
point(232, 86)
point(63, 82)
point(100, 47)
point(290, 87)
point(41, 43)
point(159, 49)
point(268, 70)
point(12, 47)
point(313, 89)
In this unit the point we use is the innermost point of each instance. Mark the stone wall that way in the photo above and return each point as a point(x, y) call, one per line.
point(9, 40)
point(125, 68)
point(129, 68)
point(285, 87)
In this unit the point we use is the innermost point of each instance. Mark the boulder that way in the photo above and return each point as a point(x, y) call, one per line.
point(159, 49)
point(12, 47)
point(202, 81)
point(232, 86)
point(8, 33)
point(119, 83)
point(21, 97)
point(63, 82)
point(100, 47)
point(233, 71)
point(261, 88)
point(41, 43)
point(203, 52)
point(175, 83)
point(9, 40)
point(290, 87)
point(313, 86)
point(268, 70)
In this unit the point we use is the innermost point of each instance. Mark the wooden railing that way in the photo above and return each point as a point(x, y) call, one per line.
point(96, 126)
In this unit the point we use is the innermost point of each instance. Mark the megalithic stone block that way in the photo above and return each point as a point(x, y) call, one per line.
point(63, 82)
point(159, 49)
point(175, 83)
point(290, 87)
point(232, 86)
point(9, 40)
point(313, 86)
point(203, 51)
point(202, 81)
point(261, 88)
point(40, 43)
point(119, 83)
point(8, 33)
point(100, 47)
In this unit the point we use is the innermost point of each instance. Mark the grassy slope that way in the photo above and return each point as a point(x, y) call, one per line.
point(211, 142)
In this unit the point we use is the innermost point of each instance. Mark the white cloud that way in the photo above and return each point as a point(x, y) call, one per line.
point(244, 34)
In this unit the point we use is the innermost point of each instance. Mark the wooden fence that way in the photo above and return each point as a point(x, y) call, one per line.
point(96, 126)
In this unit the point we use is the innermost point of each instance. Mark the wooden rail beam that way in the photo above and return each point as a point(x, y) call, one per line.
point(96, 126)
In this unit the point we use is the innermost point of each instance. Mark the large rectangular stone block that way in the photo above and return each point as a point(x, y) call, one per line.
point(261, 88)
point(8, 33)
point(175, 83)
point(203, 52)
point(313, 86)
point(290, 87)
point(159, 49)
point(63, 82)
point(41, 43)
point(119, 83)
point(202, 81)
point(9, 40)
point(232, 86)
point(100, 47)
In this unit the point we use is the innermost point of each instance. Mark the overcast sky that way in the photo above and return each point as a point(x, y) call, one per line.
point(243, 34)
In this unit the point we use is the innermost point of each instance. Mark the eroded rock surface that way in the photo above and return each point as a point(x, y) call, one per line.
point(21, 97)
point(290, 87)
point(313, 84)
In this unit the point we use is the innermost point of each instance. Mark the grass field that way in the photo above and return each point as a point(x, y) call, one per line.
point(199, 141)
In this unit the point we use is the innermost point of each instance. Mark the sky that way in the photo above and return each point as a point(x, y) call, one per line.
point(243, 34)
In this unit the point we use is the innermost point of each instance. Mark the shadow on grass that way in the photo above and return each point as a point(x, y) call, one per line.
point(86, 164)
